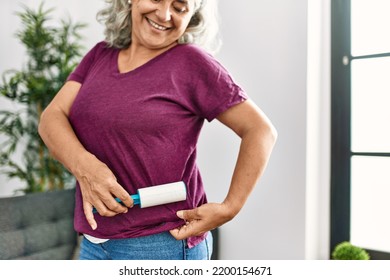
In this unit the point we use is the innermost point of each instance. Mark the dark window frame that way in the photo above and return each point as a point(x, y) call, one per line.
point(340, 213)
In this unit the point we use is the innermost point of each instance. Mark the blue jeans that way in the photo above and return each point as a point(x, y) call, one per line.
point(162, 246)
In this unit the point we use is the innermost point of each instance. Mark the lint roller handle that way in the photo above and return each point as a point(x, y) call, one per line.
point(135, 198)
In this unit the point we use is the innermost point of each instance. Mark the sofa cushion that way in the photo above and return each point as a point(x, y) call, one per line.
point(38, 226)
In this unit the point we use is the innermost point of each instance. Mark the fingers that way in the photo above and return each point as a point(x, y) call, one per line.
point(188, 214)
point(99, 187)
point(104, 210)
point(177, 234)
point(102, 196)
point(200, 220)
point(185, 231)
point(193, 227)
point(109, 206)
point(89, 215)
point(124, 196)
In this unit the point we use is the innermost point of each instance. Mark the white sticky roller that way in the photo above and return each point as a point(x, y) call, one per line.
point(162, 194)
point(157, 195)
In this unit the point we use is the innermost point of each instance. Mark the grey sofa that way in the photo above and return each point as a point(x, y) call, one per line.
point(38, 226)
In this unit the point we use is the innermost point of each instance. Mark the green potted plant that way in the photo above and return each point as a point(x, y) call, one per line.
point(52, 54)
point(346, 251)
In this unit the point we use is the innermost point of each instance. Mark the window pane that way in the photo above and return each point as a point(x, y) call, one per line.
point(370, 27)
point(370, 207)
point(370, 105)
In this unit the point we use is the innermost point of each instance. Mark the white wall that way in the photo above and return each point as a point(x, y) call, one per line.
point(265, 48)
point(318, 131)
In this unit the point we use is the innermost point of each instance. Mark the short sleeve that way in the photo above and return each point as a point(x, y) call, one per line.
point(215, 91)
point(82, 69)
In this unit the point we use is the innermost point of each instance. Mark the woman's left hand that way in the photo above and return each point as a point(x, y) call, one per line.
point(257, 140)
point(202, 219)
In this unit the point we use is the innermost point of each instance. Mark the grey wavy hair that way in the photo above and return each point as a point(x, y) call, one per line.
point(202, 29)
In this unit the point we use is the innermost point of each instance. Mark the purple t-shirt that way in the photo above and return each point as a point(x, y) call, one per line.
point(145, 124)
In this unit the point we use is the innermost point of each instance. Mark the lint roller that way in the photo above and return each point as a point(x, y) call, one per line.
point(158, 195)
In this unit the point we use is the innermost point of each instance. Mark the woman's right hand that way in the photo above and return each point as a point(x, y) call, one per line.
point(99, 188)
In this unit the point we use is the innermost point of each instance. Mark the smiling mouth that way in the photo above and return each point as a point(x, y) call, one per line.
point(157, 26)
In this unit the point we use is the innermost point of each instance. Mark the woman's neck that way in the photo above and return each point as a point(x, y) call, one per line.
point(135, 56)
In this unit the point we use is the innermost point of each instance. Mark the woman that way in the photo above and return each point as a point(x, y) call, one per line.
point(129, 117)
